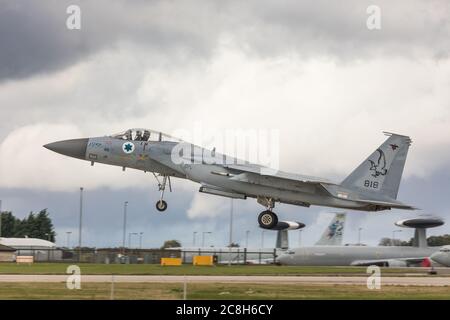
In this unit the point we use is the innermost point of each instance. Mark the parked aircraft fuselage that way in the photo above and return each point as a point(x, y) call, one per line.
point(347, 255)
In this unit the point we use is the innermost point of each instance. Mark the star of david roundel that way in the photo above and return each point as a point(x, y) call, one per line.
point(128, 147)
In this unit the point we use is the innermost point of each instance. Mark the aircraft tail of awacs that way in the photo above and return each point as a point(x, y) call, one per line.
point(372, 186)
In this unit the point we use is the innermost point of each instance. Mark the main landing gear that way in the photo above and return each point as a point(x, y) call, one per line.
point(267, 219)
point(161, 205)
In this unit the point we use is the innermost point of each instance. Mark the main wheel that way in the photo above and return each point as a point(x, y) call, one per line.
point(267, 219)
point(161, 205)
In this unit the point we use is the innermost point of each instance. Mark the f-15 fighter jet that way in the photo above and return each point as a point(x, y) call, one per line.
point(372, 186)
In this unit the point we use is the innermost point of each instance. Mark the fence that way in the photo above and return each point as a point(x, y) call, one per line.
point(149, 256)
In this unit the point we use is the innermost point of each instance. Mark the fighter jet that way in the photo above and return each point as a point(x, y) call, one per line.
point(372, 186)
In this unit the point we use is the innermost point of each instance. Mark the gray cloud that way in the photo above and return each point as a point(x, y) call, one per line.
point(311, 28)
point(35, 40)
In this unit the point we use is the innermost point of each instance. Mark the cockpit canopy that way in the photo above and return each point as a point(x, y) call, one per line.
point(138, 134)
point(445, 249)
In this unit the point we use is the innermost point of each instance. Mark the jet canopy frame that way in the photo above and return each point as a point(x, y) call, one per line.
point(147, 135)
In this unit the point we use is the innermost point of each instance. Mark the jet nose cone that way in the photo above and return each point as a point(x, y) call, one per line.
point(73, 148)
point(438, 257)
point(282, 259)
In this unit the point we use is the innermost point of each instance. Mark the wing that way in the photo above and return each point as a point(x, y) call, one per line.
point(205, 188)
point(400, 262)
point(242, 172)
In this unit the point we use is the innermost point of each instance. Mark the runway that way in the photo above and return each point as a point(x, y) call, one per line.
point(320, 280)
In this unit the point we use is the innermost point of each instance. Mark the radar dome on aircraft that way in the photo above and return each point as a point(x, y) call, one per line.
point(420, 222)
point(287, 225)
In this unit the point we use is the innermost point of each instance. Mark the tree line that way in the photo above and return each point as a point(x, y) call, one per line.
point(35, 225)
point(433, 241)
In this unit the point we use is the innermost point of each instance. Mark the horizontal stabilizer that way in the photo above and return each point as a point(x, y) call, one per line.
point(395, 205)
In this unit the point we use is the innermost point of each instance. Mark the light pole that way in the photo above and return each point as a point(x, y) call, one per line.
point(0, 218)
point(262, 238)
point(194, 234)
point(81, 223)
point(231, 222)
point(125, 205)
point(68, 238)
point(393, 236)
point(231, 232)
point(203, 237)
point(300, 237)
point(359, 236)
point(140, 239)
point(246, 238)
point(129, 238)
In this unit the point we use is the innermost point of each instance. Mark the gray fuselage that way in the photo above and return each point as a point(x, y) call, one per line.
point(156, 156)
point(347, 255)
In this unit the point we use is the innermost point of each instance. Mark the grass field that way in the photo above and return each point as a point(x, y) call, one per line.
point(151, 269)
point(21, 290)
point(216, 291)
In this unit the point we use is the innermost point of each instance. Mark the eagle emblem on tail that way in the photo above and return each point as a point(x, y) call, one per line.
point(378, 167)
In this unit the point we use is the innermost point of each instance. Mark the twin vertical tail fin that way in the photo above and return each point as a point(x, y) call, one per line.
point(332, 236)
point(382, 171)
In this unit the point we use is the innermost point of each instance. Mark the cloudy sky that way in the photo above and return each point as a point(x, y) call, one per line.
point(311, 70)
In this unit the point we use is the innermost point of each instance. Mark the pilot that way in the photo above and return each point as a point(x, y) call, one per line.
point(138, 136)
point(128, 135)
point(146, 135)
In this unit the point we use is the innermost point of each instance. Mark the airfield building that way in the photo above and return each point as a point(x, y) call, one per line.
point(41, 250)
point(7, 254)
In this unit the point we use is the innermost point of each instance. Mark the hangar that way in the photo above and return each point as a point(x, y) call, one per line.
point(7, 254)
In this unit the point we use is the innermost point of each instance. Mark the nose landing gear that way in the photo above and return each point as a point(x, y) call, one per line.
point(161, 205)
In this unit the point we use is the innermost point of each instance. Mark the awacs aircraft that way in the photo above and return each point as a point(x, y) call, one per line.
point(372, 186)
point(388, 256)
point(332, 236)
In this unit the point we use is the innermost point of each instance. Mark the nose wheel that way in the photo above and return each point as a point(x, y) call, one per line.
point(161, 205)
point(267, 219)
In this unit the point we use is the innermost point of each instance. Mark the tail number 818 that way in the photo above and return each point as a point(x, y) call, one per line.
point(371, 184)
